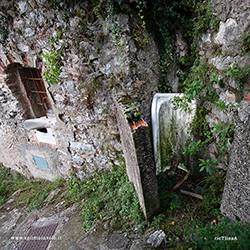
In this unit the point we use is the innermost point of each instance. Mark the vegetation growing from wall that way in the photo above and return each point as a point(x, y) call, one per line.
point(238, 74)
point(199, 85)
point(246, 42)
point(189, 19)
point(133, 112)
point(53, 59)
point(3, 29)
point(198, 80)
point(186, 18)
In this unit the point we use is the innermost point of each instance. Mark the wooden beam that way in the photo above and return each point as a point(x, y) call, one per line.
point(181, 181)
point(192, 194)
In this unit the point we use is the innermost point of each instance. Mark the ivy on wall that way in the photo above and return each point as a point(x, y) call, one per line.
point(3, 29)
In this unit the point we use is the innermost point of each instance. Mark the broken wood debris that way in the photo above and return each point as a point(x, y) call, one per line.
point(181, 181)
point(192, 194)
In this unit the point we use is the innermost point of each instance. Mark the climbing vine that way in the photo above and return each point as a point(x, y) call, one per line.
point(238, 74)
point(187, 19)
point(3, 29)
point(199, 85)
point(53, 59)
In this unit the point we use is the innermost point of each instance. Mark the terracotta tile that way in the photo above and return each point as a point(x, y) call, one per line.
point(246, 98)
point(136, 124)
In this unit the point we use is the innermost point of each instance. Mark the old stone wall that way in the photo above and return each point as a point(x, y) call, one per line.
point(93, 67)
point(236, 200)
point(98, 58)
point(222, 48)
point(234, 22)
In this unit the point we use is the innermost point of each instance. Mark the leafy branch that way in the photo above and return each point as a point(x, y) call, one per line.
point(133, 113)
point(53, 60)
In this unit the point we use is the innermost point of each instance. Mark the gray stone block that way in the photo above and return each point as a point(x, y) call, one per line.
point(74, 248)
point(117, 241)
point(135, 246)
point(156, 238)
point(138, 153)
point(236, 198)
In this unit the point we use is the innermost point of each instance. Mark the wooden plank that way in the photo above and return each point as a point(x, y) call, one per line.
point(181, 181)
point(192, 194)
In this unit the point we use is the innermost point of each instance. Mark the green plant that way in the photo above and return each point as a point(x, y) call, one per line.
point(133, 112)
point(208, 165)
point(223, 106)
point(6, 184)
point(164, 85)
point(194, 147)
point(165, 182)
point(188, 18)
point(221, 135)
point(117, 34)
point(106, 195)
point(223, 235)
point(212, 191)
point(133, 65)
point(198, 85)
point(134, 37)
point(224, 133)
point(32, 191)
point(173, 206)
point(140, 5)
point(112, 76)
point(246, 42)
point(238, 74)
point(53, 59)
point(157, 220)
point(3, 29)
point(116, 30)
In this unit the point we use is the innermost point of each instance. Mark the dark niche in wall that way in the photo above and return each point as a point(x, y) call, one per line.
point(27, 85)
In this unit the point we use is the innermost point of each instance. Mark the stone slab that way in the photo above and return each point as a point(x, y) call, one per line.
point(236, 195)
point(138, 154)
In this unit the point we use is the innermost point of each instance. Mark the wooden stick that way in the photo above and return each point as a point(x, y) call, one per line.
point(181, 181)
point(192, 194)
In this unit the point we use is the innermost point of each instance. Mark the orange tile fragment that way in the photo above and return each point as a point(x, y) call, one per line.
point(247, 98)
point(136, 124)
